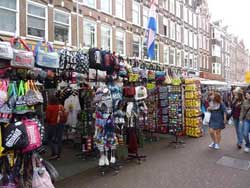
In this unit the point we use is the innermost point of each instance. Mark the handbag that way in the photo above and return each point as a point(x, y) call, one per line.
point(129, 91)
point(34, 136)
point(6, 51)
point(22, 58)
point(54, 175)
point(30, 96)
point(15, 136)
point(207, 116)
point(48, 59)
point(41, 177)
point(21, 105)
point(133, 77)
point(3, 92)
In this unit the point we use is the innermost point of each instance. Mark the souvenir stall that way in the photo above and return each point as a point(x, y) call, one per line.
point(193, 121)
point(21, 116)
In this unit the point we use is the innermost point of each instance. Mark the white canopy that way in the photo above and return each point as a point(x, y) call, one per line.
point(213, 83)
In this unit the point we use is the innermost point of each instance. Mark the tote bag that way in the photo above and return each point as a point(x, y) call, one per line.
point(45, 59)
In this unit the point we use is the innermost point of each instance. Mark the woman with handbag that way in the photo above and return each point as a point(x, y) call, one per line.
point(236, 109)
point(218, 119)
point(55, 117)
point(245, 120)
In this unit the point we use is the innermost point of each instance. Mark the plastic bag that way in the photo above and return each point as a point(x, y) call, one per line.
point(51, 170)
point(206, 118)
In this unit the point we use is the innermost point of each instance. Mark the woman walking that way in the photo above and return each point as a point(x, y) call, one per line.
point(245, 120)
point(55, 128)
point(236, 109)
point(218, 119)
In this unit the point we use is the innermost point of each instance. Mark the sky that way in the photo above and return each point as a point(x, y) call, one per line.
point(235, 14)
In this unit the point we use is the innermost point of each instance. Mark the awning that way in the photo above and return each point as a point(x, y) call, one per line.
point(214, 83)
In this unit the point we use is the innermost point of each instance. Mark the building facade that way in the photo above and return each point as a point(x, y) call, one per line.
point(118, 25)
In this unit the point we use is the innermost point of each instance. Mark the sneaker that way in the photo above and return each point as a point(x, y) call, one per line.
point(102, 161)
point(106, 160)
point(247, 150)
point(216, 146)
point(211, 145)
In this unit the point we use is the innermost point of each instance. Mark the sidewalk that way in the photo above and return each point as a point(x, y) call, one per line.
point(193, 166)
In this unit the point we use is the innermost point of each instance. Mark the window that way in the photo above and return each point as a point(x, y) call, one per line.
point(200, 41)
point(165, 27)
point(195, 41)
point(165, 4)
point(89, 33)
point(120, 42)
point(185, 36)
point(172, 56)
point(90, 3)
point(190, 20)
point(166, 55)
point(191, 61)
point(207, 44)
point(136, 13)
point(156, 58)
point(120, 8)
point(145, 17)
point(178, 33)
point(136, 46)
point(9, 16)
point(216, 51)
point(178, 9)
point(62, 26)
point(106, 6)
point(191, 42)
point(36, 20)
point(172, 7)
point(216, 68)
point(195, 62)
point(204, 42)
point(185, 14)
point(178, 58)
point(172, 30)
point(106, 37)
point(185, 59)
point(195, 20)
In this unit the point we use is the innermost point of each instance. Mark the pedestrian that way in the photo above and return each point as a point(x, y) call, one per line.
point(54, 127)
point(245, 120)
point(218, 119)
point(236, 109)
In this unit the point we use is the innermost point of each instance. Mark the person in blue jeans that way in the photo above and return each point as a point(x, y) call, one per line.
point(236, 109)
point(245, 120)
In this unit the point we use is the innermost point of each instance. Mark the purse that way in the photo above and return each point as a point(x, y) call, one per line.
point(41, 177)
point(34, 136)
point(22, 58)
point(48, 59)
point(6, 51)
point(15, 136)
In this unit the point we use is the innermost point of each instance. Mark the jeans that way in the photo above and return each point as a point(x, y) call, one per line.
point(246, 129)
point(239, 131)
point(55, 137)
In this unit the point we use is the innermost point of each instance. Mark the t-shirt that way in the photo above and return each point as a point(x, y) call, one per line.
point(52, 114)
point(72, 106)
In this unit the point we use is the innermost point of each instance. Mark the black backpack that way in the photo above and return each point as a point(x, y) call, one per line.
point(95, 61)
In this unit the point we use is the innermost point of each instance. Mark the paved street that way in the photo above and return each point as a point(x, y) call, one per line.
point(193, 166)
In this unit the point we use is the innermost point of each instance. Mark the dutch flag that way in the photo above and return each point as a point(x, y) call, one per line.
point(151, 30)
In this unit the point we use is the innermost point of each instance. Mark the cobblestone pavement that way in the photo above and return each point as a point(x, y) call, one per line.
point(193, 166)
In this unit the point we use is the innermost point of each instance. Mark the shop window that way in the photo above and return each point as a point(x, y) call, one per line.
point(9, 16)
point(120, 9)
point(36, 20)
point(120, 42)
point(136, 46)
point(172, 56)
point(90, 3)
point(136, 13)
point(106, 37)
point(89, 33)
point(62, 26)
point(166, 55)
point(106, 6)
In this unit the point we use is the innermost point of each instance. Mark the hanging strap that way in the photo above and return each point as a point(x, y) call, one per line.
point(39, 44)
point(21, 88)
point(14, 40)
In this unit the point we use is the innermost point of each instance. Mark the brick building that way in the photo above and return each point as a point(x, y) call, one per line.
point(118, 25)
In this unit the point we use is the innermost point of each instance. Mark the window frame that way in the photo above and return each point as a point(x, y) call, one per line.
point(174, 56)
point(110, 7)
point(69, 26)
point(139, 13)
point(140, 46)
point(111, 34)
point(17, 32)
point(46, 19)
point(124, 41)
point(92, 22)
point(123, 9)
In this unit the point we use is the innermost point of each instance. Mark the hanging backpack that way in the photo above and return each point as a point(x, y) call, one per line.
point(15, 136)
point(95, 58)
point(82, 63)
point(107, 62)
point(22, 58)
point(45, 59)
point(21, 105)
point(34, 136)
